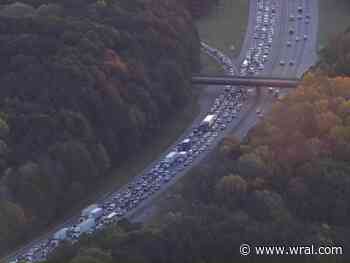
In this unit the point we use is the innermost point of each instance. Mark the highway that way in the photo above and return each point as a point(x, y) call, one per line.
point(248, 117)
point(233, 101)
point(302, 52)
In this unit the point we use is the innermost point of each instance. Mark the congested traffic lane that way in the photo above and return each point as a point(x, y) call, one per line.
point(301, 24)
point(307, 51)
point(302, 17)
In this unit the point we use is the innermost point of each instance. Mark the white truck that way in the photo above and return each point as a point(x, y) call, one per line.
point(171, 157)
point(61, 234)
point(110, 218)
point(86, 226)
point(96, 213)
point(245, 63)
point(207, 122)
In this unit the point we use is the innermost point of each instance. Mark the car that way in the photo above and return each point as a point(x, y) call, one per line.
point(291, 63)
point(258, 111)
point(291, 30)
point(291, 18)
point(297, 38)
point(289, 43)
point(282, 63)
point(300, 9)
point(305, 37)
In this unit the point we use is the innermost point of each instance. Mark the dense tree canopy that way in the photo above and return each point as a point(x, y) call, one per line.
point(84, 84)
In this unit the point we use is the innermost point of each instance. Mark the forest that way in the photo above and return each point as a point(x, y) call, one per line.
point(84, 84)
point(286, 183)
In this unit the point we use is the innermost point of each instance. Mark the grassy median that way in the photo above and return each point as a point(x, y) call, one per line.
point(225, 25)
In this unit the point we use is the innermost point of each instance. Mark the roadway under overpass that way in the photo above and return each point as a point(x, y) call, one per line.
point(245, 81)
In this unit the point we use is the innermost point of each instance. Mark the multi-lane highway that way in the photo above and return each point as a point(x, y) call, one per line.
point(269, 49)
point(285, 48)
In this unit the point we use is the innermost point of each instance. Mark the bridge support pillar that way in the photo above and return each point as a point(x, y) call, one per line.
point(258, 91)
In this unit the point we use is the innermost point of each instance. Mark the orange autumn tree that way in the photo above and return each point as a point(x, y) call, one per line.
point(307, 124)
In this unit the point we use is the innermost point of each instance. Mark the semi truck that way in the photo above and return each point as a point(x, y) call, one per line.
point(171, 157)
point(96, 213)
point(207, 122)
point(61, 234)
point(86, 226)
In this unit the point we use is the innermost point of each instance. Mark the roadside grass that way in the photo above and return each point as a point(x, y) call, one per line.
point(334, 18)
point(225, 25)
point(208, 65)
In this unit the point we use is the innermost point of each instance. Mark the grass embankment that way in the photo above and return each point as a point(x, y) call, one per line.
point(224, 26)
point(334, 17)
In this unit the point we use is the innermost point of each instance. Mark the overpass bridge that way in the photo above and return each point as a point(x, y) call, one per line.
point(245, 81)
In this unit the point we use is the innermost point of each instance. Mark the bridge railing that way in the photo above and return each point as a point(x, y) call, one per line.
point(245, 81)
